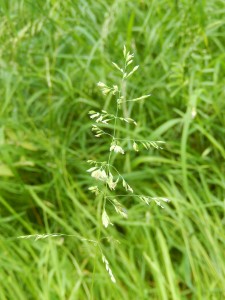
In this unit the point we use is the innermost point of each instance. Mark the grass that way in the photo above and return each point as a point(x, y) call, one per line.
point(52, 55)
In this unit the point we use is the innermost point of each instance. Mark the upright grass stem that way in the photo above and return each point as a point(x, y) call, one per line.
point(103, 171)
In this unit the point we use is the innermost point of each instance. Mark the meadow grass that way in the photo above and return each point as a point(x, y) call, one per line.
point(52, 55)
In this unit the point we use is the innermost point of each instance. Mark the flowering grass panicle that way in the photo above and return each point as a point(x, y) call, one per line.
point(105, 173)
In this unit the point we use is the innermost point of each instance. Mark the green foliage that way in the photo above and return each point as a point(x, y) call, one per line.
point(52, 55)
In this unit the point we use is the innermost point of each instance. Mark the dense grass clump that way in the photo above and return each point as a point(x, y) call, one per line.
point(52, 55)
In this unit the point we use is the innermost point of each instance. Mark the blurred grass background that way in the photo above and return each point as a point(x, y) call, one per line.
point(52, 54)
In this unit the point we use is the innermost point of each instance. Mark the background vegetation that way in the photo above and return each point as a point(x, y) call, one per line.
point(52, 54)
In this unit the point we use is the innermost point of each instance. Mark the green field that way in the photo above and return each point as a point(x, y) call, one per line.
point(52, 55)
